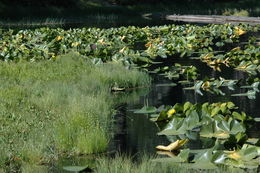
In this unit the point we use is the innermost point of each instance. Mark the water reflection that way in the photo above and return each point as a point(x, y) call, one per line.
point(140, 134)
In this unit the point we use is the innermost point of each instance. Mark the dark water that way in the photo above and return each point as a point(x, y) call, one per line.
point(137, 134)
point(99, 22)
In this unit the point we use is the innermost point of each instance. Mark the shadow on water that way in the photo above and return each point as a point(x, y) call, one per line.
point(90, 21)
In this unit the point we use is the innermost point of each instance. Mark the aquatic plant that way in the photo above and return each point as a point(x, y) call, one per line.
point(127, 44)
point(213, 85)
point(220, 122)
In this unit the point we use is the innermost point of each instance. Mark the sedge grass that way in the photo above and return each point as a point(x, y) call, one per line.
point(146, 164)
point(50, 109)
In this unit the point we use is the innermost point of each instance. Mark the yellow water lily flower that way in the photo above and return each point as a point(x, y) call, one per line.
point(234, 155)
point(208, 56)
point(205, 85)
point(173, 146)
point(189, 45)
point(222, 135)
point(171, 111)
point(242, 67)
point(149, 44)
point(58, 38)
point(239, 31)
point(101, 41)
point(122, 38)
point(122, 50)
point(236, 49)
point(75, 44)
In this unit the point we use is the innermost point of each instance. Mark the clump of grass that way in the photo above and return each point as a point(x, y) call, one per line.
point(52, 108)
point(124, 164)
point(146, 164)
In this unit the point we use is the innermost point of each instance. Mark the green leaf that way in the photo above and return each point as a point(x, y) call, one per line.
point(215, 111)
point(186, 106)
point(230, 105)
point(249, 153)
point(257, 119)
point(236, 127)
point(219, 157)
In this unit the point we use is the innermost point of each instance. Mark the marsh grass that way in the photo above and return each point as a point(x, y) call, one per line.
point(50, 109)
point(145, 164)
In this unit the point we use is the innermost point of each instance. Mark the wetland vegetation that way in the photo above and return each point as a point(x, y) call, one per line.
point(53, 109)
point(65, 93)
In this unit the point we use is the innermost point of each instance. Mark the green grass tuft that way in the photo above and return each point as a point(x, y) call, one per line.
point(50, 109)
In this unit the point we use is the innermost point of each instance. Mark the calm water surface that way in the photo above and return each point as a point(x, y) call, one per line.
point(137, 134)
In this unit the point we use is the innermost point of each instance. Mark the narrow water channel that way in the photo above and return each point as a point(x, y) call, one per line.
point(137, 134)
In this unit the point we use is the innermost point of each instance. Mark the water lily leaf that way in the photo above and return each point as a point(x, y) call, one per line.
point(257, 119)
point(162, 116)
point(250, 94)
point(186, 106)
point(178, 107)
point(218, 129)
point(204, 160)
point(254, 86)
point(219, 157)
point(231, 105)
point(184, 155)
point(205, 118)
point(207, 131)
point(236, 127)
point(215, 111)
point(238, 116)
point(222, 125)
point(249, 153)
point(192, 120)
point(173, 127)
point(253, 141)
point(204, 165)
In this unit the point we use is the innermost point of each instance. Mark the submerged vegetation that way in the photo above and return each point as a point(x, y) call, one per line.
point(52, 109)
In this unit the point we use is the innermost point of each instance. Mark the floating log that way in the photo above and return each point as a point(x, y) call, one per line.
point(215, 19)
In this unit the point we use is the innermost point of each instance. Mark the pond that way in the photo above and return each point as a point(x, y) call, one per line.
point(137, 134)
point(134, 133)
point(102, 21)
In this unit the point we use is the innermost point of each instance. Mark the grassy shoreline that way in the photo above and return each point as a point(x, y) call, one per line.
point(56, 108)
